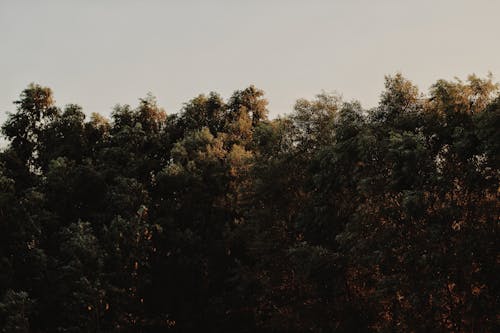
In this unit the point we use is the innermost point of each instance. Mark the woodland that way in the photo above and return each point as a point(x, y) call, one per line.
point(217, 218)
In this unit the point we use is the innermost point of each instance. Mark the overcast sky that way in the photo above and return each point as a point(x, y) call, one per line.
point(99, 53)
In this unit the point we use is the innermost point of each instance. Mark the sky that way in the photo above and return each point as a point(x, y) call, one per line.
point(97, 53)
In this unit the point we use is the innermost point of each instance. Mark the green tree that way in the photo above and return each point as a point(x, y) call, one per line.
point(35, 110)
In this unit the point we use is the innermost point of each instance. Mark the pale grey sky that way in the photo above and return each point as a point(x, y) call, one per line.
point(97, 53)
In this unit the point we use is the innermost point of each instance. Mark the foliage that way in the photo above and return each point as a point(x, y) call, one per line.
point(330, 219)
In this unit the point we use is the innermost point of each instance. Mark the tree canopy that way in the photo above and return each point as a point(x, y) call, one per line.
point(333, 218)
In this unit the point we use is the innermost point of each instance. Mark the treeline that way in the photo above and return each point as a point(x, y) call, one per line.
point(217, 219)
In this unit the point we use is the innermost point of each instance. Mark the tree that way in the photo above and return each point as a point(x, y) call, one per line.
point(35, 110)
point(332, 218)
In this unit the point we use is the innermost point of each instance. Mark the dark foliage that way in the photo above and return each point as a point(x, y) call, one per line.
point(217, 219)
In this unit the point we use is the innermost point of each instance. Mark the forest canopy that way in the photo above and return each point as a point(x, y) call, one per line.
point(333, 218)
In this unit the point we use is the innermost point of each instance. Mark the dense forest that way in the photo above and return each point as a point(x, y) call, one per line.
point(332, 218)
